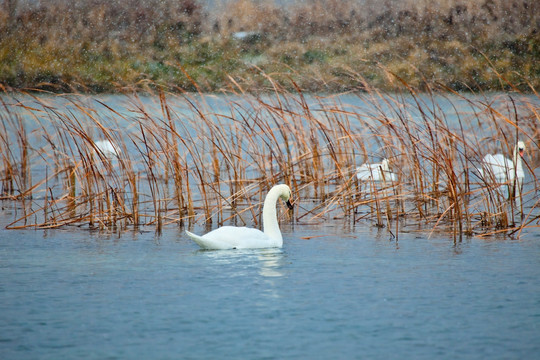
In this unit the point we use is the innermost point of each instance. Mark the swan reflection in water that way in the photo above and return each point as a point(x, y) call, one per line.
point(270, 261)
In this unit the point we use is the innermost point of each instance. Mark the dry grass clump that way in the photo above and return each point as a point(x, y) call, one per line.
point(194, 158)
point(100, 46)
point(93, 45)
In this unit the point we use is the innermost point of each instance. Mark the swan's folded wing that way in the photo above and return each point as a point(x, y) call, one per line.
point(499, 167)
point(231, 237)
point(366, 171)
point(374, 172)
point(363, 175)
point(390, 176)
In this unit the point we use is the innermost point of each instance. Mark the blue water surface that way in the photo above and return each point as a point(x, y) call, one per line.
point(345, 294)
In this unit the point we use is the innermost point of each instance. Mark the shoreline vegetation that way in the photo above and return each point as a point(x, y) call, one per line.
point(318, 46)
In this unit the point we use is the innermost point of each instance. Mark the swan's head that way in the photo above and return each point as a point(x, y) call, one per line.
point(285, 194)
point(520, 148)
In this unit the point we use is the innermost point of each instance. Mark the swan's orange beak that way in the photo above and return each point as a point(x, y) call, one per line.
point(521, 152)
point(289, 205)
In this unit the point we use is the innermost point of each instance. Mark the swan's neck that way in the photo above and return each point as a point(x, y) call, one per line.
point(517, 160)
point(518, 179)
point(270, 223)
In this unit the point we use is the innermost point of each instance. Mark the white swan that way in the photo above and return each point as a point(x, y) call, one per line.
point(502, 170)
point(107, 149)
point(231, 237)
point(375, 172)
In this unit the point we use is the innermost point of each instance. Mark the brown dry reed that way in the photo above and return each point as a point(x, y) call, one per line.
point(181, 161)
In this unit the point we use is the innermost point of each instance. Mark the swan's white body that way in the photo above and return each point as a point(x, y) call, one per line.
point(496, 168)
point(375, 172)
point(107, 149)
point(231, 237)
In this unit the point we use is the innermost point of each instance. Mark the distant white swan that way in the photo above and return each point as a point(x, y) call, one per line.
point(231, 237)
point(107, 149)
point(375, 172)
point(496, 168)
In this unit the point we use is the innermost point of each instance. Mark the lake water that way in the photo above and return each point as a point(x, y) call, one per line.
point(349, 293)
point(334, 291)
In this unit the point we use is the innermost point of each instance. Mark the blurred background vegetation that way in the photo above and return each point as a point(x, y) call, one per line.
point(317, 45)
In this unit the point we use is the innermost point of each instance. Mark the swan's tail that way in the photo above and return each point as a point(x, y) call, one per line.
point(198, 239)
point(206, 243)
